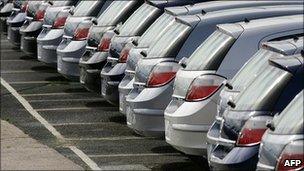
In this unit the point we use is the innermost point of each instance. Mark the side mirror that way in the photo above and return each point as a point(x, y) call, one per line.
point(71, 11)
point(94, 21)
point(183, 62)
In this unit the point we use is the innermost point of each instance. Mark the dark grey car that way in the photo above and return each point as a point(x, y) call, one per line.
point(282, 144)
point(244, 122)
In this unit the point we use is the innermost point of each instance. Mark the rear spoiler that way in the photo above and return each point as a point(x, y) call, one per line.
point(290, 64)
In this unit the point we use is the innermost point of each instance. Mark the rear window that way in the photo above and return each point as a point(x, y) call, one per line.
point(263, 92)
point(84, 8)
point(59, 3)
point(211, 53)
point(112, 12)
point(290, 121)
point(137, 19)
point(170, 41)
point(252, 68)
point(155, 30)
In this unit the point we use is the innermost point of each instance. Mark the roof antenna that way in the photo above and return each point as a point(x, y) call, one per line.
point(296, 39)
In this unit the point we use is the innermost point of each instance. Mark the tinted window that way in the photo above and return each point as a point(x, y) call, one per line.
point(59, 3)
point(262, 93)
point(114, 10)
point(290, 121)
point(211, 53)
point(170, 41)
point(84, 8)
point(157, 29)
point(130, 27)
point(250, 70)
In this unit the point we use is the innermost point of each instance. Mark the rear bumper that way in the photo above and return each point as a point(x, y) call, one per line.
point(13, 35)
point(29, 45)
point(68, 56)
point(111, 78)
point(145, 109)
point(124, 88)
point(47, 43)
point(3, 25)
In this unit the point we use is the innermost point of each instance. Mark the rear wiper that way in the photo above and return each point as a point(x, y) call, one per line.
point(231, 104)
point(270, 125)
point(229, 86)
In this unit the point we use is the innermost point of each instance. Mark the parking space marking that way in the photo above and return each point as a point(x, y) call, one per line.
point(121, 138)
point(67, 100)
point(73, 108)
point(38, 82)
point(47, 125)
point(132, 155)
point(125, 167)
point(53, 94)
point(17, 71)
point(79, 123)
point(12, 60)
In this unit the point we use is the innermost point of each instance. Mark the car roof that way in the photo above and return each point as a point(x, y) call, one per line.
point(257, 24)
point(285, 47)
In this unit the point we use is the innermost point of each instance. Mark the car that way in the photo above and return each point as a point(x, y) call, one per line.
point(73, 45)
point(240, 81)
point(154, 76)
point(53, 30)
point(16, 20)
point(5, 11)
point(188, 119)
point(126, 85)
point(278, 153)
point(113, 71)
point(94, 60)
point(244, 122)
point(32, 27)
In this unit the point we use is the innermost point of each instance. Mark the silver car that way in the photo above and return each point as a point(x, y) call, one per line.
point(73, 44)
point(282, 144)
point(6, 8)
point(244, 122)
point(191, 112)
point(53, 27)
point(120, 46)
point(154, 75)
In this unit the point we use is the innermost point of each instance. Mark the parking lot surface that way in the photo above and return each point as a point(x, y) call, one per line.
point(78, 124)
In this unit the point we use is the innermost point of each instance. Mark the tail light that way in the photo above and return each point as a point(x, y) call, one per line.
point(252, 132)
point(59, 22)
point(124, 54)
point(104, 44)
point(81, 33)
point(203, 87)
point(24, 7)
point(39, 15)
point(292, 157)
point(162, 74)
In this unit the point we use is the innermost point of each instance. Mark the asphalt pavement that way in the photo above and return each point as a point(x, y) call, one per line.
point(78, 124)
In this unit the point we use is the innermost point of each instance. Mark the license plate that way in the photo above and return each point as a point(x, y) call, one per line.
point(104, 86)
point(167, 129)
point(121, 101)
point(83, 75)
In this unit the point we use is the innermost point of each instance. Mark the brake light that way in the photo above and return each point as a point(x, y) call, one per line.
point(81, 33)
point(59, 22)
point(162, 74)
point(203, 87)
point(39, 15)
point(24, 7)
point(124, 54)
point(252, 132)
point(292, 157)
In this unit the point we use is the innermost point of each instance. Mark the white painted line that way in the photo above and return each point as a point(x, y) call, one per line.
point(39, 82)
point(133, 155)
point(54, 94)
point(72, 108)
point(66, 100)
point(48, 126)
point(31, 110)
point(85, 158)
point(125, 167)
point(17, 72)
point(122, 138)
point(79, 123)
point(13, 60)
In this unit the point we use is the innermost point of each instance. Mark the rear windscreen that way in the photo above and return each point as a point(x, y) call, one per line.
point(170, 42)
point(140, 16)
point(108, 17)
point(263, 92)
point(290, 120)
point(83, 8)
point(156, 30)
point(252, 68)
point(210, 54)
